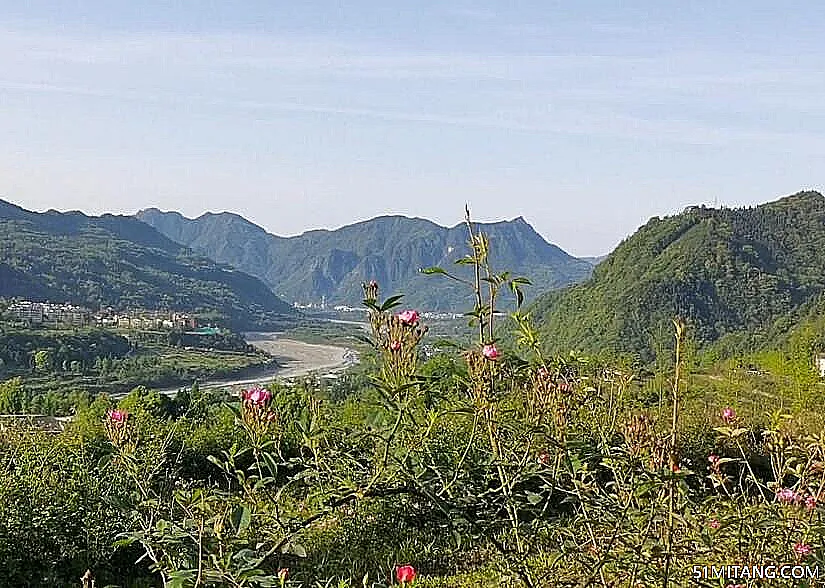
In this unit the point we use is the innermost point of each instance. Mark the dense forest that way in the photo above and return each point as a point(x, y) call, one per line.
point(57, 372)
point(122, 263)
point(742, 278)
point(23, 352)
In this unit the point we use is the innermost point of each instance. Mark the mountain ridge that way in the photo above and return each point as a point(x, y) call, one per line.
point(733, 273)
point(330, 264)
point(119, 261)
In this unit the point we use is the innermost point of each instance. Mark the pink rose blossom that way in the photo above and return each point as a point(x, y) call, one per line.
point(408, 317)
point(490, 352)
point(802, 549)
point(728, 415)
point(118, 417)
point(786, 496)
point(405, 574)
point(257, 396)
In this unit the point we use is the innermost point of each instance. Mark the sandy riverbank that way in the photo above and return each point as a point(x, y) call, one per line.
point(296, 358)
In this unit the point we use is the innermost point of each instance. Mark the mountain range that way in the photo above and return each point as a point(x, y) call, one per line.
point(742, 278)
point(330, 265)
point(121, 262)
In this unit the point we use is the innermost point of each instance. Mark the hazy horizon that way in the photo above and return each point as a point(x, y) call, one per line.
point(585, 119)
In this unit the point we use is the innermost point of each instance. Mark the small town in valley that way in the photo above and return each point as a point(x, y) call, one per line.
point(30, 313)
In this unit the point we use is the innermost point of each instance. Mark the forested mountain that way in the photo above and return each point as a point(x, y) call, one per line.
point(741, 276)
point(389, 249)
point(121, 262)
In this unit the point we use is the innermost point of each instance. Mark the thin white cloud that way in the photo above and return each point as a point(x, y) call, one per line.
point(690, 98)
point(305, 55)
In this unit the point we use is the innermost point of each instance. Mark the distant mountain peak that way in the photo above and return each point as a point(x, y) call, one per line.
point(223, 214)
point(331, 264)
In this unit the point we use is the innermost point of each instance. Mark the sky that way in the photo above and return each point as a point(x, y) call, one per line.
point(586, 118)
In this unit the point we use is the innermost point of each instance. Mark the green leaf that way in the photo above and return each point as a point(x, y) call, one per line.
point(124, 542)
point(534, 498)
point(391, 302)
point(432, 270)
point(241, 518)
point(517, 291)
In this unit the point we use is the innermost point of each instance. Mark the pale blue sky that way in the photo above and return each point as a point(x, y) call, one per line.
point(584, 117)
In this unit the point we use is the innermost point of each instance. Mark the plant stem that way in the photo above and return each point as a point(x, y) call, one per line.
point(673, 458)
point(477, 269)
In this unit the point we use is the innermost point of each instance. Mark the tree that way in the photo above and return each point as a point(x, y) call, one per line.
point(43, 360)
point(13, 398)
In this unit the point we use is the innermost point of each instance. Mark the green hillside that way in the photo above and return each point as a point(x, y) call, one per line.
point(390, 249)
point(120, 262)
point(741, 277)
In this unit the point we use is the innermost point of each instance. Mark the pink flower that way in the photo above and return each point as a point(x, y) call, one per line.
point(713, 459)
point(395, 345)
point(490, 352)
point(728, 415)
point(118, 417)
point(405, 574)
point(714, 524)
point(543, 458)
point(408, 317)
point(802, 549)
point(786, 496)
point(810, 502)
point(257, 396)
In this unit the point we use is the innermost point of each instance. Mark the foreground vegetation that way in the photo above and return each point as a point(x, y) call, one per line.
point(491, 465)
